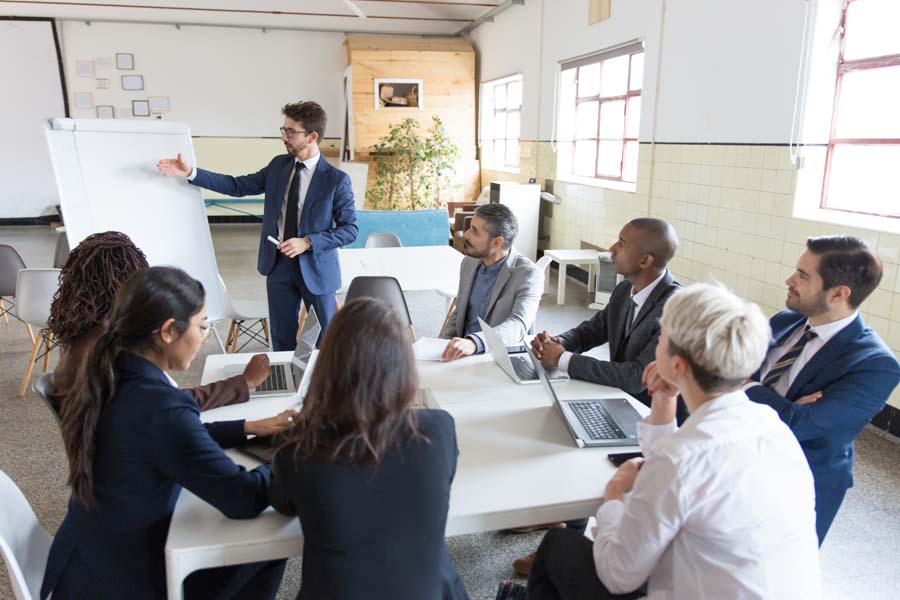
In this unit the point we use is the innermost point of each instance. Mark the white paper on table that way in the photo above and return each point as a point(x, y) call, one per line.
point(429, 348)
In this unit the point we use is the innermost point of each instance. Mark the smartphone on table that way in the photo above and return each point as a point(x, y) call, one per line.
point(618, 458)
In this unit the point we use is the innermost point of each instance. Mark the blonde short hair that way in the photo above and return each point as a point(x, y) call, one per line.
point(722, 336)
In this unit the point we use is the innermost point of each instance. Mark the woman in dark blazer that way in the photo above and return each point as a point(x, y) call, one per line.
point(133, 439)
point(368, 475)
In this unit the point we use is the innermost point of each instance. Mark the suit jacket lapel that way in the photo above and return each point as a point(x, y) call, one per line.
point(466, 279)
point(312, 191)
point(831, 351)
point(654, 297)
point(502, 277)
point(283, 179)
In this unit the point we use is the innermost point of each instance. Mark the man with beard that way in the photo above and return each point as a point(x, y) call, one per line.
point(309, 210)
point(496, 284)
point(826, 373)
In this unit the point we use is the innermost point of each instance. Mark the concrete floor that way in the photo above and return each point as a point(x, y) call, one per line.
point(860, 557)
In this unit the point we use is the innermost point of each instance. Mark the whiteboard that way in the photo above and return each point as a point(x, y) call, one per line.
point(107, 180)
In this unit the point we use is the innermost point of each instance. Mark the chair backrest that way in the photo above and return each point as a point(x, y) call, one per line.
point(24, 544)
point(384, 239)
point(62, 251)
point(10, 264)
point(34, 293)
point(44, 388)
point(386, 289)
point(230, 311)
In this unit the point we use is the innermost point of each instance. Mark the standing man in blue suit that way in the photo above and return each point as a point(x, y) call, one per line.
point(826, 373)
point(308, 208)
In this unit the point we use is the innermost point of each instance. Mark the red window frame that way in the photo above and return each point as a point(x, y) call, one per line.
point(848, 66)
point(601, 100)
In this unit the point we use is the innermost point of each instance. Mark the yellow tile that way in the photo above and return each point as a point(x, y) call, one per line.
point(893, 339)
point(889, 277)
point(888, 247)
point(879, 303)
point(895, 307)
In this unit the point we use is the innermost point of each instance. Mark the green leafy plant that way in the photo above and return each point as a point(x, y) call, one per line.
point(411, 171)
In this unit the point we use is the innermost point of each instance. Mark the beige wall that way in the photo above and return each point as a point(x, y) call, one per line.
point(732, 206)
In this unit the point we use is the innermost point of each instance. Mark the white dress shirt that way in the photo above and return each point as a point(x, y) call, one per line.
point(305, 177)
point(639, 299)
point(823, 334)
point(722, 508)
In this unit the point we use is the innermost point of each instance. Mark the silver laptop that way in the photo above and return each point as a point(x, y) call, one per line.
point(517, 366)
point(286, 377)
point(593, 423)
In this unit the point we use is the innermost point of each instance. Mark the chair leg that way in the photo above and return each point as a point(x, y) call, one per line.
point(412, 332)
point(4, 310)
point(218, 338)
point(265, 326)
point(35, 347)
point(30, 333)
point(230, 333)
point(449, 312)
point(237, 333)
point(301, 320)
point(47, 341)
point(337, 303)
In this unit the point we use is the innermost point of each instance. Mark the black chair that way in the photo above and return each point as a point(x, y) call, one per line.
point(10, 264)
point(44, 388)
point(384, 288)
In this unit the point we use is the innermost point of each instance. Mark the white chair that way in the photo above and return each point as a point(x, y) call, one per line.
point(450, 295)
point(383, 240)
point(34, 293)
point(246, 320)
point(10, 264)
point(24, 544)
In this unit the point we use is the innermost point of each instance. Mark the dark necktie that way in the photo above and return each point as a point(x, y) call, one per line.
point(290, 212)
point(789, 358)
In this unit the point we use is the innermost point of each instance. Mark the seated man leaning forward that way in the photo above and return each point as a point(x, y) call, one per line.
point(722, 507)
point(496, 283)
point(630, 322)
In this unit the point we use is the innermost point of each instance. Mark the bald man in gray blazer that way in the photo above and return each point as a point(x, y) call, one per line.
point(496, 283)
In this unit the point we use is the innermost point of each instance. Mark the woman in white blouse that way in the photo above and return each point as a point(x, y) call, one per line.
point(722, 507)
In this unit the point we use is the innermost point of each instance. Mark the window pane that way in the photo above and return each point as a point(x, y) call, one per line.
point(512, 153)
point(585, 158)
point(634, 117)
point(499, 96)
point(609, 163)
point(499, 124)
point(629, 167)
point(865, 179)
point(566, 108)
point(514, 94)
point(487, 126)
point(564, 157)
point(589, 80)
point(512, 125)
point(612, 119)
point(487, 153)
point(614, 78)
point(635, 82)
point(868, 104)
point(586, 120)
point(872, 29)
point(499, 151)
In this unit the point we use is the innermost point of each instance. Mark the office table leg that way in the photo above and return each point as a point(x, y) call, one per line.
point(561, 284)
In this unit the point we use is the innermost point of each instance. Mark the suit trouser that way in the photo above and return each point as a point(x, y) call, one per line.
point(286, 289)
point(828, 501)
point(564, 570)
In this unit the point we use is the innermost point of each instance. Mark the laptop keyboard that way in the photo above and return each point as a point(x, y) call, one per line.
point(277, 380)
point(596, 421)
point(524, 368)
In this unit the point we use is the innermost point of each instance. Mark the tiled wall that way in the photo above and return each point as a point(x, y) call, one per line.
point(731, 207)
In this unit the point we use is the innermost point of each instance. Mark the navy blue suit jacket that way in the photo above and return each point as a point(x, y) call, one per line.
point(149, 443)
point(328, 216)
point(856, 373)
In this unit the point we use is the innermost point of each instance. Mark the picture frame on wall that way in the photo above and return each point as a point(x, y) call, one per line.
point(159, 104)
point(84, 68)
point(124, 61)
point(132, 82)
point(84, 100)
point(140, 108)
point(106, 112)
point(101, 83)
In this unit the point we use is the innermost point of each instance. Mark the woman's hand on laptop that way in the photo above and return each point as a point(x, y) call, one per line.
point(269, 427)
point(256, 370)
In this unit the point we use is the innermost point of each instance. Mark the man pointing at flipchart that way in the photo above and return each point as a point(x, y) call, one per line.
point(309, 214)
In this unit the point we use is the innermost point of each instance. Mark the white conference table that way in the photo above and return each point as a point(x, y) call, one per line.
point(417, 268)
point(517, 466)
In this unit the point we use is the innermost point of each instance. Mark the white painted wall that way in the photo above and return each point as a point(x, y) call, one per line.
point(220, 81)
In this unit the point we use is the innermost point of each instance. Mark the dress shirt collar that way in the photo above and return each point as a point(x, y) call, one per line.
point(172, 381)
point(718, 403)
point(641, 297)
point(311, 162)
point(494, 268)
point(826, 331)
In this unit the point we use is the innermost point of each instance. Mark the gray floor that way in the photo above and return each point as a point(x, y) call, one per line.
point(861, 557)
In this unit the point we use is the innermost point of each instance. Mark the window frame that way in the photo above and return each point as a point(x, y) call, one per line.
point(487, 92)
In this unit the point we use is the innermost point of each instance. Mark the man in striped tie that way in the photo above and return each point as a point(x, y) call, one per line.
point(826, 373)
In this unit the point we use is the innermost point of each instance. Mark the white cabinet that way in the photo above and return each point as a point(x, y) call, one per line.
point(524, 200)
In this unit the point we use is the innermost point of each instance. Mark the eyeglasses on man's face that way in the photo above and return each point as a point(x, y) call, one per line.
point(288, 133)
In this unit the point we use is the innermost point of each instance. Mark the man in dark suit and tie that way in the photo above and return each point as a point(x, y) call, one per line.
point(308, 208)
point(826, 373)
point(629, 323)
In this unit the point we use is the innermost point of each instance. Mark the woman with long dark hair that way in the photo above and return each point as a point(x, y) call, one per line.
point(368, 474)
point(133, 439)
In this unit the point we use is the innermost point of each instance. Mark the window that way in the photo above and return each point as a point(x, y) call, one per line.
point(861, 174)
point(501, 118)
point(599, 114)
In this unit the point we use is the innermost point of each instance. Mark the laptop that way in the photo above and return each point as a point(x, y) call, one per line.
point(285, 377)
point(517, 366)
point(593, 423)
